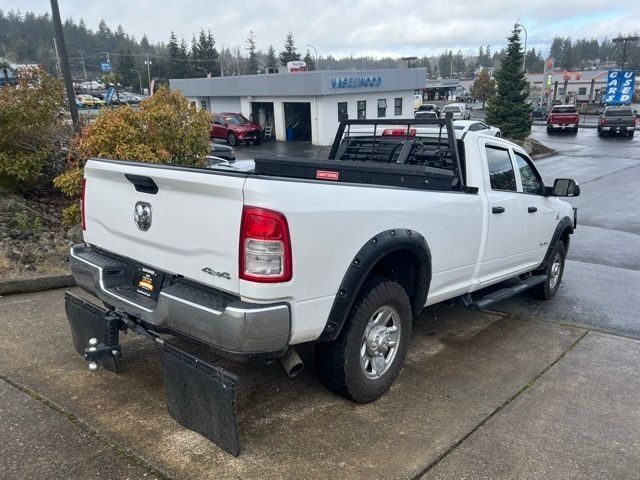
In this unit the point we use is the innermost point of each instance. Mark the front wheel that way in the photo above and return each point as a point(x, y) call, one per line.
point(365, 359)
point(232, 139)
point(554, 270)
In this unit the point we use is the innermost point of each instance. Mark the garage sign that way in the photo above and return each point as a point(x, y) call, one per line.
point(620, 87)
point(356, 82)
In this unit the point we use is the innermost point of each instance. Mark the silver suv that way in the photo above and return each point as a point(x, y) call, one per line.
point(460, 111)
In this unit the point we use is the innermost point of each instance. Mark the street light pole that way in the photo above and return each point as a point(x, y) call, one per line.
point(64, 63)
point(625, 42)
point(139, 79)
point(204, 70)
point(316, 53)
point(524, 59)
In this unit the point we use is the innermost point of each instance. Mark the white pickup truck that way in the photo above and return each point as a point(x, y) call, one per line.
point(253, 258)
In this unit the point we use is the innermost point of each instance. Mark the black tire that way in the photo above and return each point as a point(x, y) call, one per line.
point(575, 131)
point(630, 134)
point(549, 130)
point(232, 139)
point(338, 363)
point(257, 141)
point(600, 133)
point(548, 289)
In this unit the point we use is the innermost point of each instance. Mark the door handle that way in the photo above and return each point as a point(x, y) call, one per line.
point(497, 209)
point(532, 209)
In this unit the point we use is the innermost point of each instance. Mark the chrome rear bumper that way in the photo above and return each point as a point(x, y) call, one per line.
point(232, 327)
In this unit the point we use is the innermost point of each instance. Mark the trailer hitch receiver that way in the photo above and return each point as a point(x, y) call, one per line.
point(200, 396)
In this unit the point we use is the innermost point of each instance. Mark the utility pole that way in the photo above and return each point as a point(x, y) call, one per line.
point(147, 62)
point(316, 52)
point(83, 69)
point(64, 61)
point(625, 42)
point(55, 46)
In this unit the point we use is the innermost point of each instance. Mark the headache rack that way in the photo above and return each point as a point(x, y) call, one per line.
point(411, 153)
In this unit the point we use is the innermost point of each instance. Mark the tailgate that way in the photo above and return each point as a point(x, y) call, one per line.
point(195, 218)
point(564, 118)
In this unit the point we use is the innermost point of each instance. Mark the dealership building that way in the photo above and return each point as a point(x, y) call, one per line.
point(307, 106)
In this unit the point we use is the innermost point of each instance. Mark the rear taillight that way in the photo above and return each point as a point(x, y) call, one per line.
point(265, 246)
point(399, 132)
point(633, 121)
point(603, 121)
point(82, 204)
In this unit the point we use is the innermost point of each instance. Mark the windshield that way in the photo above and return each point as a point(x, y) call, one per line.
point(426, 115)
point(564, 110)
point(236, 120)
point(459, 127)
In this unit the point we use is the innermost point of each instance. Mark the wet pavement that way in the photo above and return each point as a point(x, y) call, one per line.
point(532, 390)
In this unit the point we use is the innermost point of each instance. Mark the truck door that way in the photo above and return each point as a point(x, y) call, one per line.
point(541, 216)
point(504, 251)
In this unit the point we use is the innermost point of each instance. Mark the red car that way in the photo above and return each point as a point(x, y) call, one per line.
point(564, 118)
point(234, 128)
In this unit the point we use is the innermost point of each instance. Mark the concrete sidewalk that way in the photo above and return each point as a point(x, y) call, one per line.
point(466, 373)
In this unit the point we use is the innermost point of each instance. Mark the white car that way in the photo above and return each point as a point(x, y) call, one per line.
point(476, 126)
point(254, 259)
point(459, 111)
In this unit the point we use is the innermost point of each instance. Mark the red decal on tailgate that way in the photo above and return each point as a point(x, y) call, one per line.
point(327, 175)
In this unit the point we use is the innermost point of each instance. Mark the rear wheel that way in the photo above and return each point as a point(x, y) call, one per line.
point(232, 139)
point(553, 271)
point(365, 359)
point(549, 130)
point(631, 133)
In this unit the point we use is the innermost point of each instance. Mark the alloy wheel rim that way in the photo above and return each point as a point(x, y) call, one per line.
point(556, 268)
point(380, 342)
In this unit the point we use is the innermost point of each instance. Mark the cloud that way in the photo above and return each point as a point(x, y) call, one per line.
point(344, 27)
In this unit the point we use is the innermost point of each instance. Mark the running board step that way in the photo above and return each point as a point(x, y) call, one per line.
point(502, 294)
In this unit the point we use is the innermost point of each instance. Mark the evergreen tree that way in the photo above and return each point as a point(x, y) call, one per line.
point(509, 110)
point(445, 63)
point(253, 66)
point(271, 60)
point(124, 67)
point(173, 64)
point(289, 54)
point(556, 49)
point(310, 61)
point(459, 66)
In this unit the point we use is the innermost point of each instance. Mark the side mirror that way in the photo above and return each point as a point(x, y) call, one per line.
point(565, 187)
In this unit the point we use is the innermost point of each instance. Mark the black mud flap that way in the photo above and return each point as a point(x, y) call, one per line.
point(89, 321)
point(201, 397)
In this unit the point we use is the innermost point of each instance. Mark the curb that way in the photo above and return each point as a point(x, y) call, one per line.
point(36, 284)
point(544, 155)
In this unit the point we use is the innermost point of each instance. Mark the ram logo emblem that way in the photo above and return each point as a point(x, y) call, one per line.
point(142, 215)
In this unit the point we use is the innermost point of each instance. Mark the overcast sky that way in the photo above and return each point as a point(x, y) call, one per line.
point(358, 27)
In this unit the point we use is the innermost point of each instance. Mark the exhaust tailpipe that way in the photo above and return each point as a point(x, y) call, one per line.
point(292, 363)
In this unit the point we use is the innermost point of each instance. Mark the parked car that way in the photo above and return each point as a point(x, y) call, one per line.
point(428, 107)
point(464, 97)
point(563, 118)
point(540, 113)
point(234, 128)
point(253, 259)
point(91, 101)
point(222, 151)
point(616, 120)
point(425, 114)
point(476, 126)
point(459, 111)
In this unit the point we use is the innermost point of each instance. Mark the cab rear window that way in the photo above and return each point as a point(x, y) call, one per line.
point(564, 110)
point(618, 112)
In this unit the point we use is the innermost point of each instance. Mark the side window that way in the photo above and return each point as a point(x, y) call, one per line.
point(474, 127)
point(342, 111)
point(382, 107)
point(501, 173)
point(531, 182)
point(362, 109)
point(397, 106)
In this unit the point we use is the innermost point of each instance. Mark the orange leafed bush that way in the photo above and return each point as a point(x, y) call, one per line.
point(165, 129)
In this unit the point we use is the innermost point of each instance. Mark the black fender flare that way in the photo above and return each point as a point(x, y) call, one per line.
point(565, 223)
point(363, 263)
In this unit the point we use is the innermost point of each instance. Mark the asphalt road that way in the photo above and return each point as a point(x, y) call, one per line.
point(601, 283)
point(532, 390)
